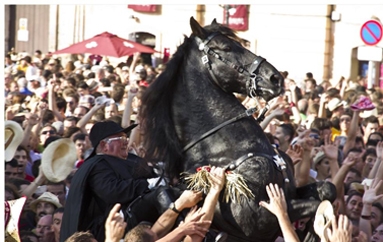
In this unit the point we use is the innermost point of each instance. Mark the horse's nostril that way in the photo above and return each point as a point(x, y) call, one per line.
point(274, 79)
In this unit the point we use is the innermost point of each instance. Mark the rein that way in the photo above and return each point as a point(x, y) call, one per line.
point(247, 113)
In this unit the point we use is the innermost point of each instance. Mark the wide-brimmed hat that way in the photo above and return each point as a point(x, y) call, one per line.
point(318, 157)
point(86, 99)
point(368, 113)
point(357, 187)
point(334, 104)
point(13, 209)
point(104, 100)
point(13, 137)
point(104, 129)
point(47, 197)
point(58, 159)
point(323, 217)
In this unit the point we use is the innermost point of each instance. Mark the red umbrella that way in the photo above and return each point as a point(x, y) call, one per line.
point(106, 44)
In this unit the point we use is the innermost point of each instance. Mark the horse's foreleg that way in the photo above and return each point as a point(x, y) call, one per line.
point(302, 208)
point(319, 191)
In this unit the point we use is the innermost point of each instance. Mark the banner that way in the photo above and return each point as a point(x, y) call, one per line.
point(238, 17)
point(144, 8)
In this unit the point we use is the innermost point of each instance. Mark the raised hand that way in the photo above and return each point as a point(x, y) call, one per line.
point(114, 225)
point(189, 199)
point(370, 193)
point(341, 230)
point(195, 228)
point(295, 152)
point(350, 160)
point(32, 119)
point(217, 178)
point(194, 214)
point(306, 141)
point(140, 150)
point(277, 204)
point(330, 148)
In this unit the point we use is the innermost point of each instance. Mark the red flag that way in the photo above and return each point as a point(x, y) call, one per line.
point(144, 8)
point(238, 17)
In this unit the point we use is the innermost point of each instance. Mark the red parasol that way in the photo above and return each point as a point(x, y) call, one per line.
point(106, 44)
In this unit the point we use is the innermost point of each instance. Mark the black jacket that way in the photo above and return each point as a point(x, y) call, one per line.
point(100, 183)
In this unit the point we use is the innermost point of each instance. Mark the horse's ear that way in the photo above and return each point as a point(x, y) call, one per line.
point(214, 22)
point(197, 29)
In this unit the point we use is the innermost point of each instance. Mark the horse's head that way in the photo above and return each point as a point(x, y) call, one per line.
point(232, 67)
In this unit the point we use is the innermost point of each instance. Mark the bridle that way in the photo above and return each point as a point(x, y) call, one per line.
point(251, 86)
point(252, 73)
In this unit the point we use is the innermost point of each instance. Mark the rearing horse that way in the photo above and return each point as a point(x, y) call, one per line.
point(193, 96)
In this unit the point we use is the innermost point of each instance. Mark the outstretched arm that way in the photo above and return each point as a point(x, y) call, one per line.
point(369, 197)
point(84, 120)
point(217, 180)
point(353, 131)
point(377, 169)
point(278, 207)
point(166, 221)
point(125, 122)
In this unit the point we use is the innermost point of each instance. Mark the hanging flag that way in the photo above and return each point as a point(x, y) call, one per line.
point(238, 17)
point(144, 8)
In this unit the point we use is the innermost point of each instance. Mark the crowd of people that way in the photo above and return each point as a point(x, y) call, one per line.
point(80, 161)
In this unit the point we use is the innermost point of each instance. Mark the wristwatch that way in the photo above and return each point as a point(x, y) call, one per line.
point(172, 206)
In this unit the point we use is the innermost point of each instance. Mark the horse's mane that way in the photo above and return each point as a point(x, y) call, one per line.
point(160, 137)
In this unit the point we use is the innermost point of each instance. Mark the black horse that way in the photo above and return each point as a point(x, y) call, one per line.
point(182, 115)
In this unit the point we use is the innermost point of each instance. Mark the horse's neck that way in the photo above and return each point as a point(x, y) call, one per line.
point(199, 106)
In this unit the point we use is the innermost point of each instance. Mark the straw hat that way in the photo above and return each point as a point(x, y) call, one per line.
point(357, 187)
point(58, 159)
point(334, 104)
point(318, 157)
point(323, 217)
point(47, 197)
point(12, 214)
point(13, 137)
point(368, 113)
point(104, 100)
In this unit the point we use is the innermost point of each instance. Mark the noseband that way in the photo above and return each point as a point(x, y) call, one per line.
point(252, 73)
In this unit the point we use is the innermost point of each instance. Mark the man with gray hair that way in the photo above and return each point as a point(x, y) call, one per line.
point(23, 83)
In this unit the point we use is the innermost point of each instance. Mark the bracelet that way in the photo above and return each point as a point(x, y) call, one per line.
point(366, 217)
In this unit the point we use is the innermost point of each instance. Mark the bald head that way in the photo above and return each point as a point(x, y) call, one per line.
point(302, 105)
point(44, 226)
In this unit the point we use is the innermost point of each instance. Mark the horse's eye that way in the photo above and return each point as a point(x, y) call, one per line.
point(227, 48)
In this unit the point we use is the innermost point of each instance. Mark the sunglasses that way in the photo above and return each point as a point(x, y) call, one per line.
point(314, 136)
point(48, 131)
point(345, 120)
point(124, 138)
